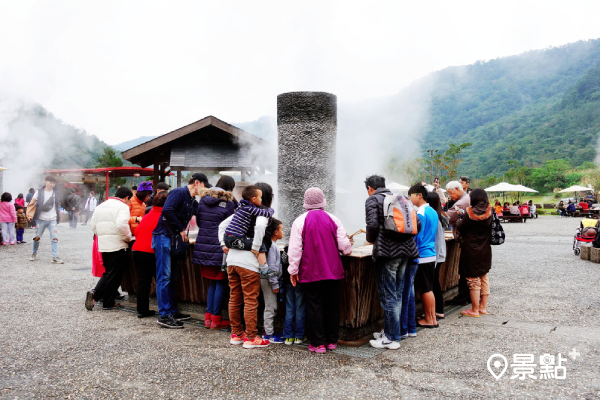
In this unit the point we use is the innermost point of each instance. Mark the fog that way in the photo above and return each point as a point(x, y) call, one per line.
point(32, 139)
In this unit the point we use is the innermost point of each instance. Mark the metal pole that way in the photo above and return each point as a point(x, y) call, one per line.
point(106, 198)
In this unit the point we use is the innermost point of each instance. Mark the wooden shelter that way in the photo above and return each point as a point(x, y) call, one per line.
point(207, 145)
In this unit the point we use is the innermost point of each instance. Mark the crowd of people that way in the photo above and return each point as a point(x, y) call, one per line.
point(237, 251)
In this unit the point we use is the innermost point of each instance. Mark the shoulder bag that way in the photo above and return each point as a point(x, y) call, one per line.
point(497, 233)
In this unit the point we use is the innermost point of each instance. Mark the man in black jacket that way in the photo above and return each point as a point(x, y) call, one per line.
point(392, 255)
point(174, 219)
point(73, 202)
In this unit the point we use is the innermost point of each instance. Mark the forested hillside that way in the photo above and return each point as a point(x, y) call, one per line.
point(537, 106)
point(34, 138)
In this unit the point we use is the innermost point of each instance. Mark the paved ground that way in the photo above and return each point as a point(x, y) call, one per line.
point(544, 300)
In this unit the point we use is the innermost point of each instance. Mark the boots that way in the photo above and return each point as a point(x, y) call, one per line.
point(217, 323)
point(207, 320)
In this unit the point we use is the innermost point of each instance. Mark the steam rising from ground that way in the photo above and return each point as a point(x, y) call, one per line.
point(370, 135)
point(32, 139)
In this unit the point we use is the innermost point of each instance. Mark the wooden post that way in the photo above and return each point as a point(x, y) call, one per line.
point(179, 178)
point(155, 177)
point(585, 251)
point(595, 254)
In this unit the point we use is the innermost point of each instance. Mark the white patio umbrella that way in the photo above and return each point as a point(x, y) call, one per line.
point(503, 187)
point(576, 188)
point(525, 189)
point(397, 186)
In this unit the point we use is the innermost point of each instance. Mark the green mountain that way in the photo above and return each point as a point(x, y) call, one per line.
point(36, 138)
point(530, 108)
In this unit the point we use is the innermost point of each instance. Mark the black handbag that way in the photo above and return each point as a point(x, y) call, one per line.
point(179, 248)
point(497, 232)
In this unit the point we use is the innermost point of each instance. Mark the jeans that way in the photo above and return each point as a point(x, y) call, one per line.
point(8, 231)
point(295, 311)
point(20, 233)
point(390, 283)
point(40, 227)
point(216, 294)
point(166, 276)
point(407, 319)
point(73, 216)
point(145, 267)
point(88, 215)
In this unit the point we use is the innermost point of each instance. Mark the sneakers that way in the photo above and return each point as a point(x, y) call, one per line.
point(289, 341)
point(299, 340)
point(378, 335)
point(274, 338)
point(57, 260)
point(256, 342)
point(412, 334)
point(235, 339)
point(332, 346)
point(384, 343)
point(89, 300)
point(319, 350)
point(169, 322)
point(182, 317)
point(33, 257)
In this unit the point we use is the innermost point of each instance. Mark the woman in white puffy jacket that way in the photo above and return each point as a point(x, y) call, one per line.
point(110, 223)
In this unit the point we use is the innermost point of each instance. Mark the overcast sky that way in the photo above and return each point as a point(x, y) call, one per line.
point(123, 69)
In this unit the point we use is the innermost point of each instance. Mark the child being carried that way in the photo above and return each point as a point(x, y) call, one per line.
point(243, 222)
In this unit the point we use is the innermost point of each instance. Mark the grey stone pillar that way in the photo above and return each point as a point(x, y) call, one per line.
point(306, 137)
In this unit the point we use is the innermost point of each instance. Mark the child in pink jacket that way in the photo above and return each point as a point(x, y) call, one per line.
point(316, 239)
point(8, 217)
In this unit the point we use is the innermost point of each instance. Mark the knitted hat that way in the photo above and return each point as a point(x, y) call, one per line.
point(147, 185)
point(314, 198)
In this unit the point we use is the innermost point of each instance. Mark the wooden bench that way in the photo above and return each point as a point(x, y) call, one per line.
point(512, 218)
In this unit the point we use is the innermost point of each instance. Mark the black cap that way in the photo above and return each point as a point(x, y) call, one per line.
point(202, 178)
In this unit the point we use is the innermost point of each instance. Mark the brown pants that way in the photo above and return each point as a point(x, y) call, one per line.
point(245, 287)
point(482, 283)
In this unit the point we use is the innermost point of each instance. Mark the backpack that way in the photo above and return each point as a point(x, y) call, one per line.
point(399, 217)
point(497, 233)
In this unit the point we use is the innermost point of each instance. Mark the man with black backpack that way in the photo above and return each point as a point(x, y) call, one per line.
point(392, 253)
point(43, 210)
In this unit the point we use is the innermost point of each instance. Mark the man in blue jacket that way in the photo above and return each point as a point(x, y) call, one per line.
point(426, 244)
point(174, 219)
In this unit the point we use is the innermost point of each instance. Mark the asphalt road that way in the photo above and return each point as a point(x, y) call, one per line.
point(543, 300)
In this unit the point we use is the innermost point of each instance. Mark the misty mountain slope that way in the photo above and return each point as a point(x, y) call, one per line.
point(30, 135)
point(133, 142)
point(532, 107)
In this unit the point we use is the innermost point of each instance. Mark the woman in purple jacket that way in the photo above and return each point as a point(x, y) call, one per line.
point(316, 239)
point(215, 205)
